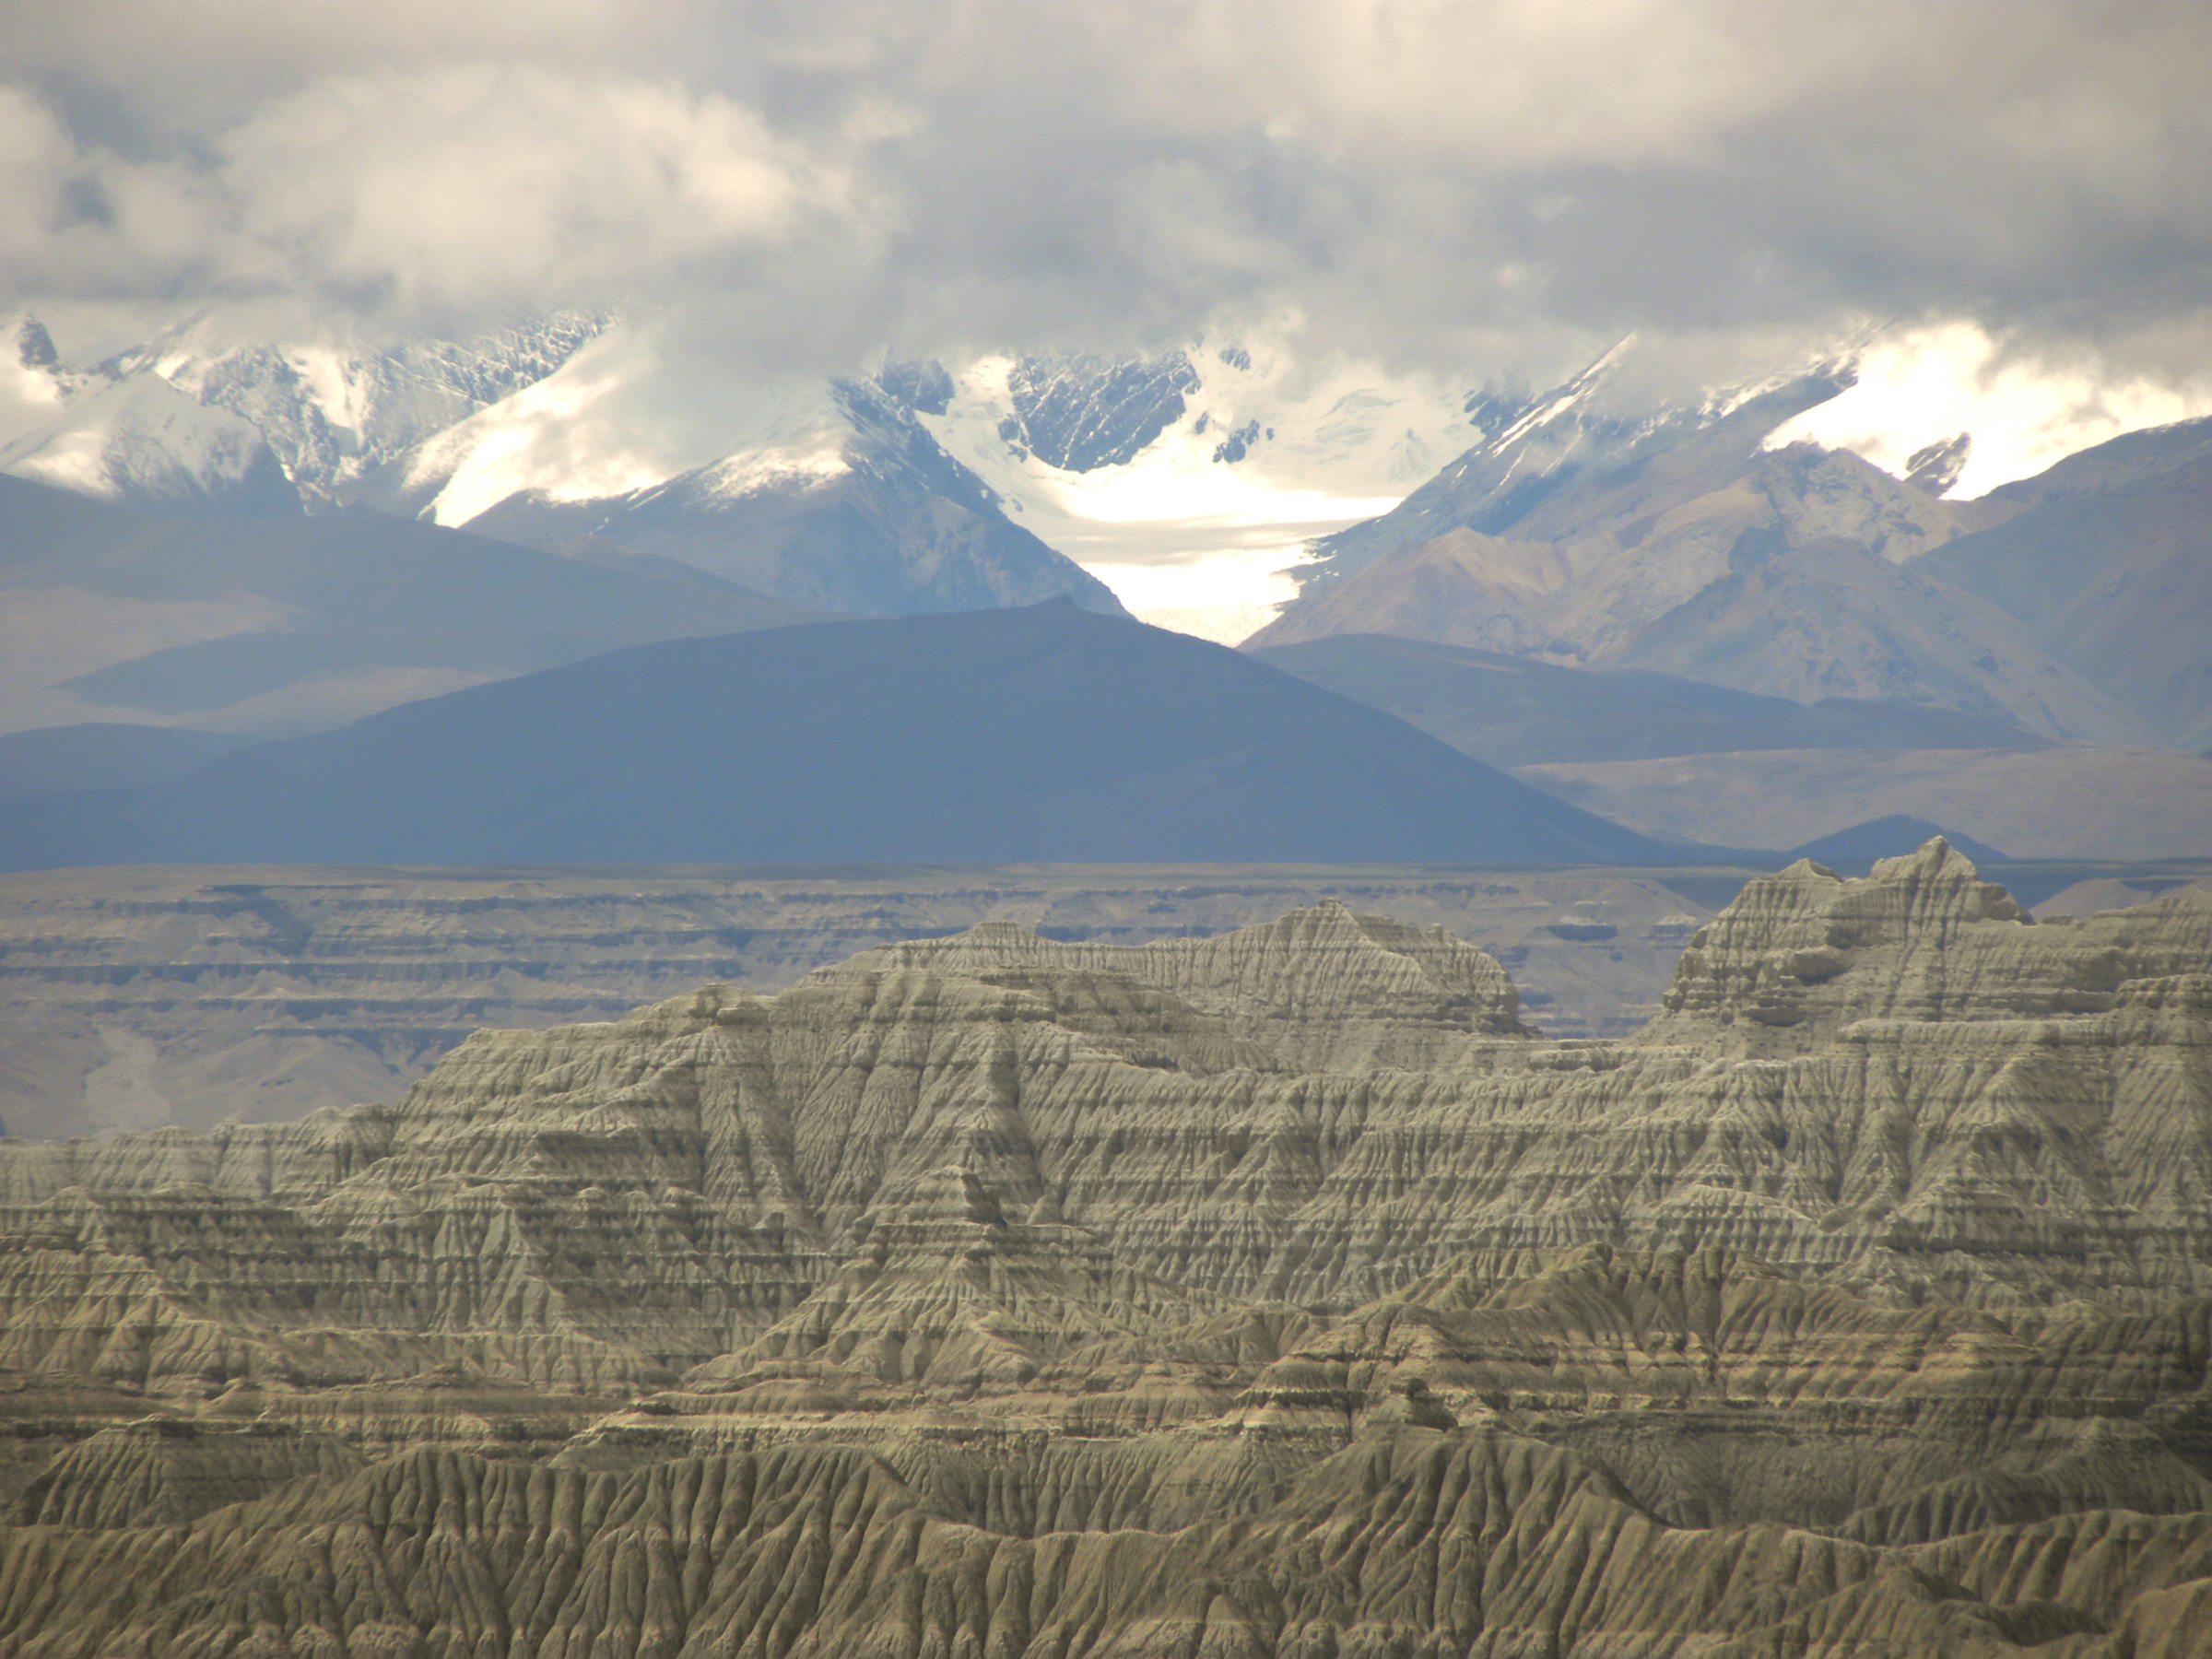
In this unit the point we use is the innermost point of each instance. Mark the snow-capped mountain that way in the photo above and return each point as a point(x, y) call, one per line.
point(184, 421)
point(1193, 482)
point(1207, 486)
point(138, 441)
point(1701, 542)
point(1537, 450)
point(334, 414)
point(1185, 482)
point(843, 503)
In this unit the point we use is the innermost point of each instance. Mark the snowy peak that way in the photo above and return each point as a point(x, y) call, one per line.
point(1238, 422)
point(838, 498)
point(187, 420)
point(1564, 452)
point(1694, 543)
point(334, 413)
point(141, 442)
point(1079, 413)
point(1191, 481)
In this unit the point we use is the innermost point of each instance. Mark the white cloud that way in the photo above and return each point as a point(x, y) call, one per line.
point(2024, 410)
point(1432, 181)
point(483, 187)
point(451, 195)
point(36, 159)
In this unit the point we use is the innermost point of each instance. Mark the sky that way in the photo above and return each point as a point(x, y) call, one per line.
point(1501, 188)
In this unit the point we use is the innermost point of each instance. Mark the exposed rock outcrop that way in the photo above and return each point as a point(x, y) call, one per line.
point(1278, 1294)
point(133, 999)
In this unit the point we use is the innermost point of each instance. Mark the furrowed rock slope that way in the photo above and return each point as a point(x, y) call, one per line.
point(132, 1000)
point(1276, 1293)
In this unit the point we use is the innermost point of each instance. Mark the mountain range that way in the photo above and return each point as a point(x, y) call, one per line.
point(1688, 544)
point(1517, 710)
point(839, 498)
point(112, 615)
point(186, 421)
point(2070, 603)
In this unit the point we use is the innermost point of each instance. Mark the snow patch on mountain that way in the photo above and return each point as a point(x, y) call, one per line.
point(617, 417)
point(336, 412)
point(1950, 403)
point(1198, 527)
point(142, 441)
point(1193, 530)
point(189, 417)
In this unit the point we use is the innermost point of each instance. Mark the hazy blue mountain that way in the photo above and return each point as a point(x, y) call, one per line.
point(97, 756)
point(1853, 850)
point(1513, 710)
point(116, 614)
point(1045, 733)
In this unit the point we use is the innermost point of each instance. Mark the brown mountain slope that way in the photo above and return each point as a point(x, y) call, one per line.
point(1794, 573)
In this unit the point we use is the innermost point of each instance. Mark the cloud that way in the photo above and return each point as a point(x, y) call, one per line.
point(487, 187)
point(465, 190)
point(2025, 409)
point(1509, 183)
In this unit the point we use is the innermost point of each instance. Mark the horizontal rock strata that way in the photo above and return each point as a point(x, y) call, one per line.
point(135, 999)
point(1278, 1293)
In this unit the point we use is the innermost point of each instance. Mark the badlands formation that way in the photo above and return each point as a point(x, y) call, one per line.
point(1279, 1294)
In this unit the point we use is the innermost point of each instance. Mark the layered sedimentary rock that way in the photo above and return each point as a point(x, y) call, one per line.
point(130, 1000)
point(1275, 1293)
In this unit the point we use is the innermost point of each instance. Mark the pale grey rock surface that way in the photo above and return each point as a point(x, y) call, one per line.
point(133, 999)
point(1267, 1293)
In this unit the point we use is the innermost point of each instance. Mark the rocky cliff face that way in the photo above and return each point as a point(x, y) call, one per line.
point(1273, 1293)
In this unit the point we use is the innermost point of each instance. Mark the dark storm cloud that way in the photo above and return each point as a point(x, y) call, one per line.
point(1426, 182)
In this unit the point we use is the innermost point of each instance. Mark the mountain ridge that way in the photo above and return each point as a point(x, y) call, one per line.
point(1042, 733)
point(865, 513)
point(293, 621)
point(1806, 572)
point(1513, 710)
